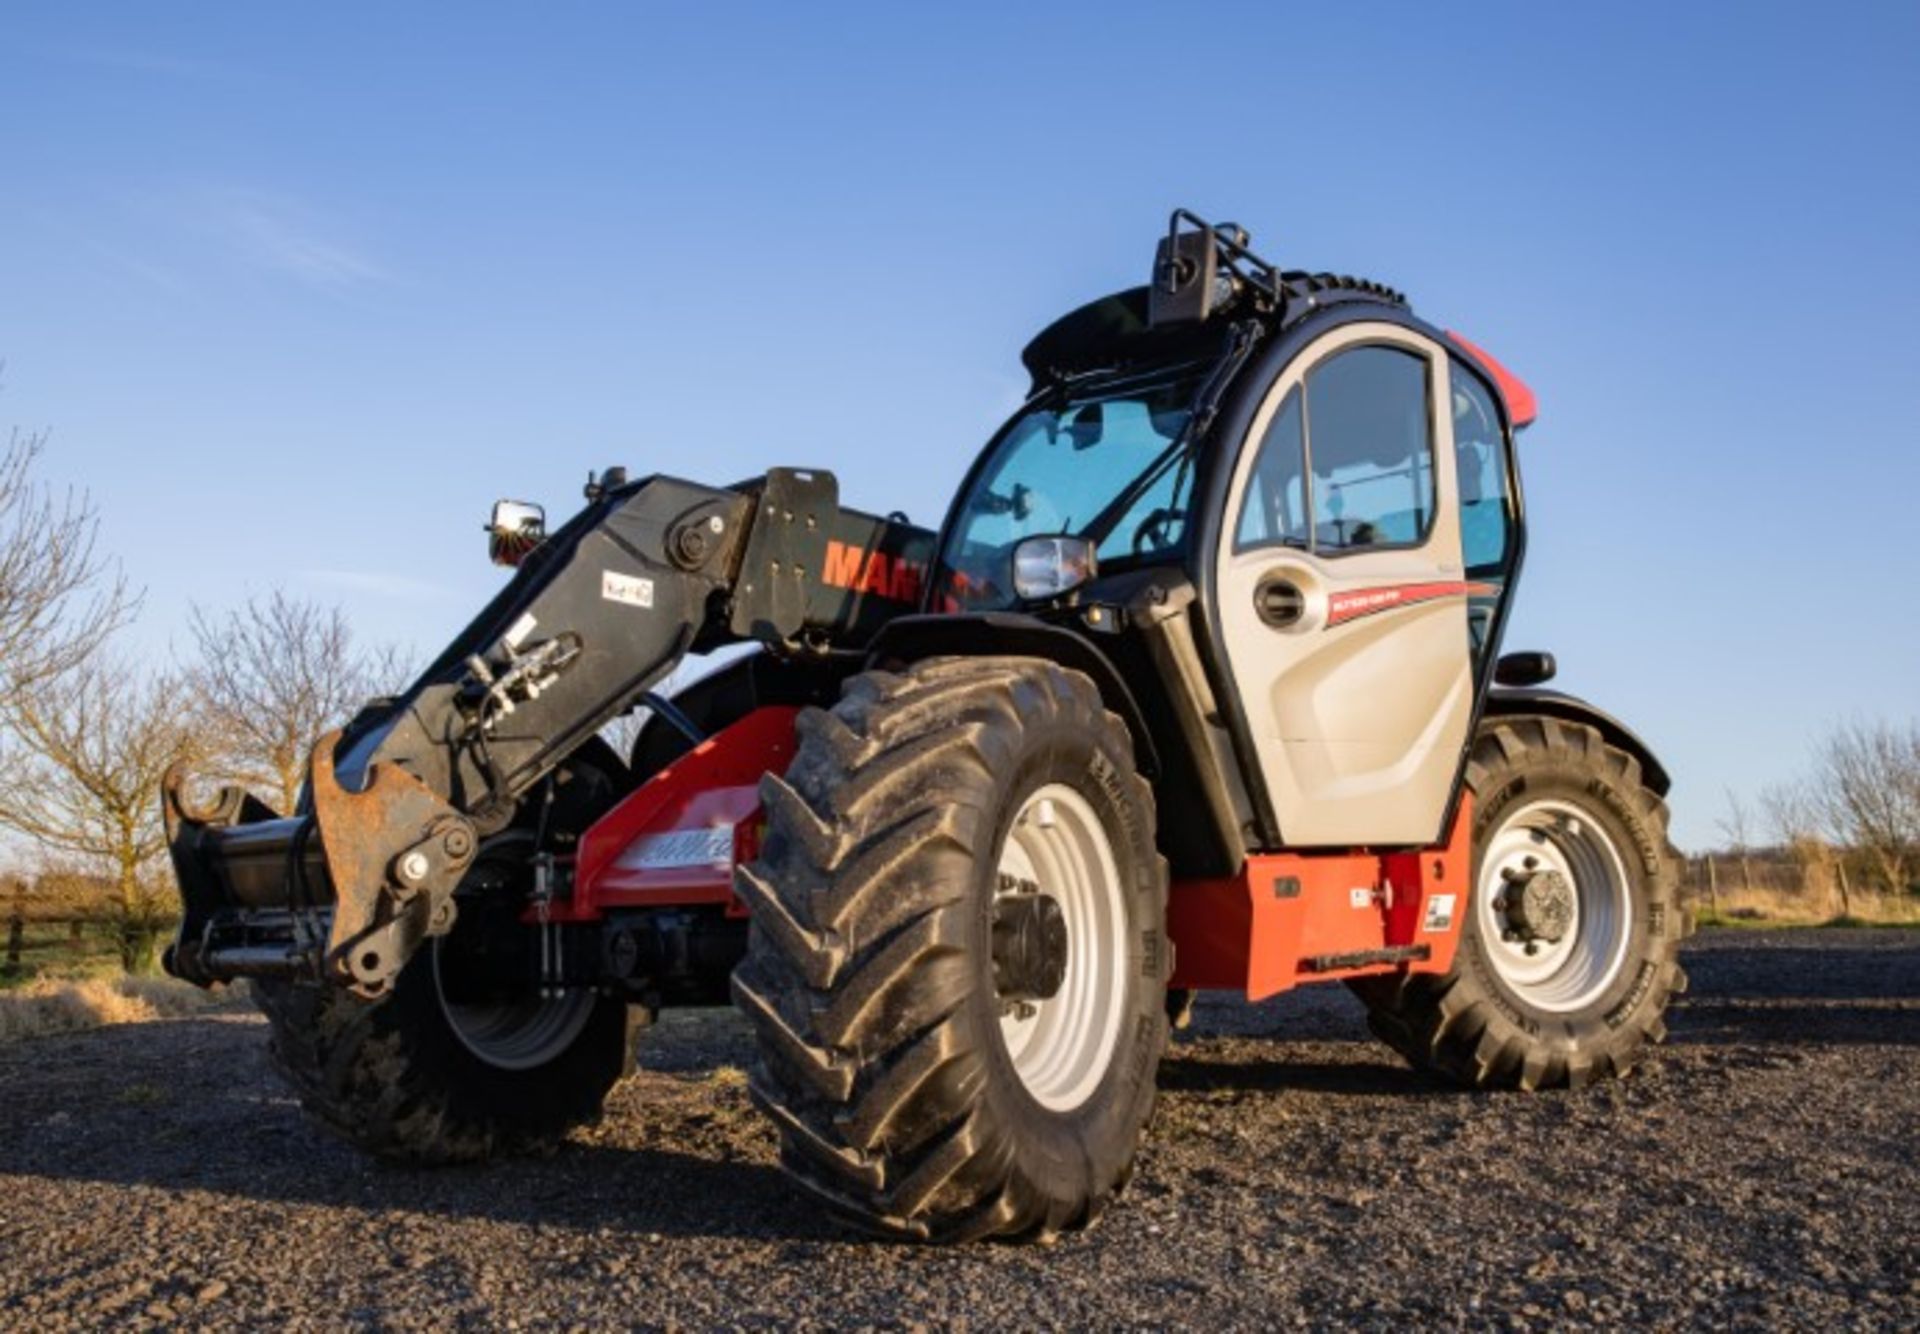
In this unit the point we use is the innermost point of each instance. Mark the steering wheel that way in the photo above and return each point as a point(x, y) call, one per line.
point(1154, 532)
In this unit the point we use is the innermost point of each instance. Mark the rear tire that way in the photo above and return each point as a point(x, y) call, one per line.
point(1520, 1010)
point(914, 1092)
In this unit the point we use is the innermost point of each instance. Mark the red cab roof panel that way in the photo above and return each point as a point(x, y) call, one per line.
point(1522, 407)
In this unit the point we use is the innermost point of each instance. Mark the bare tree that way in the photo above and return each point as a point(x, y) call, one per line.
point(1868, 785)
point(59, 597)
point(270, 677)
point(1792, 812)
point(1736, 826)
point(1798, 819)
point(87, 752)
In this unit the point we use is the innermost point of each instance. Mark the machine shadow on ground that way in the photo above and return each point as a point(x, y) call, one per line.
point(67, 1107)
point(638, 1192)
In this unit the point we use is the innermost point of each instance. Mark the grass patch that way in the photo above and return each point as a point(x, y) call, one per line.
point(48, 1005)
point(1747, 920)
point(1761, 909)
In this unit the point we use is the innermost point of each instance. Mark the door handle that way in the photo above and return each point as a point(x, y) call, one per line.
point(1279, 602)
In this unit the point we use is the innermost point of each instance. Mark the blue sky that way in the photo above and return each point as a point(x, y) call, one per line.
point(299, 293)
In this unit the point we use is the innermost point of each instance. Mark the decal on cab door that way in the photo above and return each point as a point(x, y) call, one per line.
point(1355, 603)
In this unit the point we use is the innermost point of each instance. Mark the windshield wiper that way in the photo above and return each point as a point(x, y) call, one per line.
point(1205, 405)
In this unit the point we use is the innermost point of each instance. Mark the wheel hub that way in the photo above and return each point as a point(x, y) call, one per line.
point(1554, 905)
point(1539, 904)
point(1029, 945)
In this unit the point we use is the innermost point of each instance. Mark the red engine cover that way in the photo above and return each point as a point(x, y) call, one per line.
point(674, 840)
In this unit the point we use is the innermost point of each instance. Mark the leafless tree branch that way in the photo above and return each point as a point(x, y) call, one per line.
point(60, 598)
point(1736, 826)
point(87, 751)
point(268, 678)
point(1867, 786)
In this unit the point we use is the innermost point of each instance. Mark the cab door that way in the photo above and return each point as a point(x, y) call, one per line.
point(1343, 596)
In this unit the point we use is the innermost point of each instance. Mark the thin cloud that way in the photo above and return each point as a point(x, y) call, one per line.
point(272, 232)
point(156, 275)
point(377, 583)
point(277, 234)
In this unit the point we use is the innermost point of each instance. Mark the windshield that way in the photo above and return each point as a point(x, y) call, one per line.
point(1104, 461)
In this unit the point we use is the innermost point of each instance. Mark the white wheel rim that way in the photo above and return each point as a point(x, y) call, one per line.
point(1569, 973)
point(1061, 1046)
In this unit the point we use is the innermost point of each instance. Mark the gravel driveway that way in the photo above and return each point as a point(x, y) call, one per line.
point(1763, 1170)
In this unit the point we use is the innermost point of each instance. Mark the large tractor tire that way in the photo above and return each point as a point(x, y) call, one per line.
point(958, 958)
point(420, 1076)
point(1567, 956)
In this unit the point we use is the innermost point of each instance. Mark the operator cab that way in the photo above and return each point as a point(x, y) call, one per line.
point(1320, 481)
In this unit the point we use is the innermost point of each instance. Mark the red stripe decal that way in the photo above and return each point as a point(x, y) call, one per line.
point(1350, 606)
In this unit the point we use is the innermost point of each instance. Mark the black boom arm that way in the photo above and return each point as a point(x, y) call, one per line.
point(594, 617)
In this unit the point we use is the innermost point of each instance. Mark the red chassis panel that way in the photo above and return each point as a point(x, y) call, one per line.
point(1293, 917)
point(1286, 918)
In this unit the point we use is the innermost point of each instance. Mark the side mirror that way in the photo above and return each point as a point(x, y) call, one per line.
point(1046, 567)
point(1524, 669)
point(516, 528)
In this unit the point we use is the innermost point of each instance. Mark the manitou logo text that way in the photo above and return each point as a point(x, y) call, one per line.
point(892, 577)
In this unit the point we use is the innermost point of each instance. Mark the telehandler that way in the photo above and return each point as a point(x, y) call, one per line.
point(1198, 685)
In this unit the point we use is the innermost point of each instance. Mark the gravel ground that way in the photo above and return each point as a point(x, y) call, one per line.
point(1762, 1171)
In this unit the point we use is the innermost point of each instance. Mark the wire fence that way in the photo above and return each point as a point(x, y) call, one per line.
point(1772, 884)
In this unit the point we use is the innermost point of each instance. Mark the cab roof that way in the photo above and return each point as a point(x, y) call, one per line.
point(1115, 332)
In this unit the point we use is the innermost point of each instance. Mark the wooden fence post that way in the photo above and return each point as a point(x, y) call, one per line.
point(1713, 884)
point(1846, 890)
point(16, 930)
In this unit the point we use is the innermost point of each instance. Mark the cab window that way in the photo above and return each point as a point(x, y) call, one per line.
point(1481, 461)
point(1486, 509)
point(1370, 443)
point(1274, 512)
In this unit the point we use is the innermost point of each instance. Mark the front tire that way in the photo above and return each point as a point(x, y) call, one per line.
point(420, 1076)
point(1568, 954)
point(957, 965)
